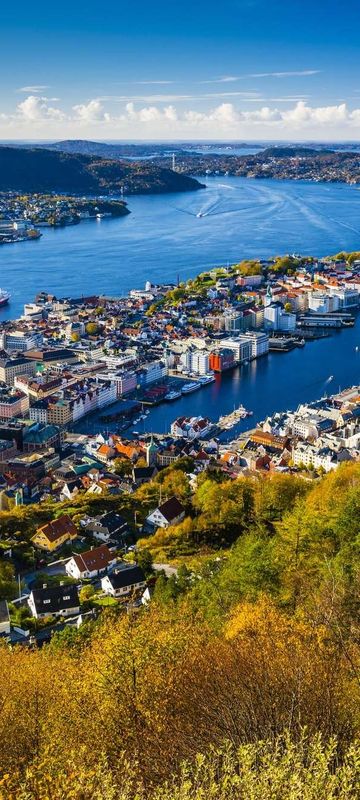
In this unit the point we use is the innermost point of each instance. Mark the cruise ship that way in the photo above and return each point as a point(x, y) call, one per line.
point(4, 297)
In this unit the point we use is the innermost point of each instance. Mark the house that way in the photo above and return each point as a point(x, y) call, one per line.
point(107, 527)
point(143, 474)
point(55, 533)
point(90, 564)
point(169, 513)
point(4, 618)
point(55, 601)
point(123, 581)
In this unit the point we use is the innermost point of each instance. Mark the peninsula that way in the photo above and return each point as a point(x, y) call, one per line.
point(41, 170)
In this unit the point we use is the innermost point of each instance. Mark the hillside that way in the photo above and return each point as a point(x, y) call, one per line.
point(250, 657)
point(42, 170)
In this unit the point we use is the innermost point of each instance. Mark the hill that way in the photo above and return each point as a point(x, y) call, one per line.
point(110, 150)
point(43, 170)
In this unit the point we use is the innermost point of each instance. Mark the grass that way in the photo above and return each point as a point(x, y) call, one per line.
point(104, 601)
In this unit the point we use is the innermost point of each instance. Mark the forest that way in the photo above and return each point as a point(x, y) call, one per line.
point(240, 679)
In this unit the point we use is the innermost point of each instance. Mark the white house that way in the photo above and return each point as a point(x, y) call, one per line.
point(90, 564)
point(54, 601)
point(123, 581)
point(169, 513)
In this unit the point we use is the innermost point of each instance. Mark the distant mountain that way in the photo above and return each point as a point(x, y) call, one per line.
point(42, 170)
point(119, 150)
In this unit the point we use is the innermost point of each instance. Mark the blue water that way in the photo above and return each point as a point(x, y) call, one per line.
point(275, 382)
point(163, 237)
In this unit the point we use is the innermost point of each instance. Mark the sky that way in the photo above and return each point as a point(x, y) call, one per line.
point(192, 70)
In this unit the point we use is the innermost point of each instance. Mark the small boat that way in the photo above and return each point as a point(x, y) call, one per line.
point(4, 297)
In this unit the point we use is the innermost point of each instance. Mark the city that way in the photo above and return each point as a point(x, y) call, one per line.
point(180, 401)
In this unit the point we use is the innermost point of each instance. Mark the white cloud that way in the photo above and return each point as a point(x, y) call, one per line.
point(35, 109)
point(281, 118)
point(91, 112)
point(290, 74)
point(33, 89)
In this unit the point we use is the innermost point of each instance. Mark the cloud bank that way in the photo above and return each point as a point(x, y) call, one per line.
point(37, 117)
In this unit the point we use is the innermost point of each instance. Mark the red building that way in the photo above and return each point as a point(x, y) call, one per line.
point(220, 360)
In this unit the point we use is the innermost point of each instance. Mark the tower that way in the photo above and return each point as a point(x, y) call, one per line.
point(173, 162)
point(151, 450)
point(268, 297)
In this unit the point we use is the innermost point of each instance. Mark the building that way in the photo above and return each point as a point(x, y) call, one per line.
point(169, 513)
point(12, 403)
point(90, 564)
point(277, 319)
point(241, 347)
point(107, 528)
point(55, 601)
point(17, 365)
point(152, 372)
point(259, 342)
point(197, 361)
point(221, 359)
point(39, 437)
point(38, 412)
point(321, 303)
point(20, 341)
point(55, 533)
point(124, 580)
point(191, 427)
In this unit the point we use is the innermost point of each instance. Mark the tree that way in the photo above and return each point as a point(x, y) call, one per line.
point(86, 593)
point(92, 328)
point(145, 560)
point(123, 466)
point(8, 584)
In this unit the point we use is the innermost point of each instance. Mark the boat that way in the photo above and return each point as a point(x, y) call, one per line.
point(190, 387)
point(4, 297)
point(206, 379)
point(173, 395)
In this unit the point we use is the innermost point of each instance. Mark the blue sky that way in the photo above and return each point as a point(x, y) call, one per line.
point(241, 69)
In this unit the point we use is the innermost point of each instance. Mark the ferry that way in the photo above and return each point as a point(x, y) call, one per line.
point(173, 395)
point(206, 379)
point(4, 297)
point(190, 387)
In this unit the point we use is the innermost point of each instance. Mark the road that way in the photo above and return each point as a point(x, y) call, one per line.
point(165, 568)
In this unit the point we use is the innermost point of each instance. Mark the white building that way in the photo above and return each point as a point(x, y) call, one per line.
point(123, 581)
point(322, 303)
point(259, 342)
point(242, 348)
point(277, 319)
point(169, 513)
point(152, 372)
point(94, 562)
point(191, 427)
